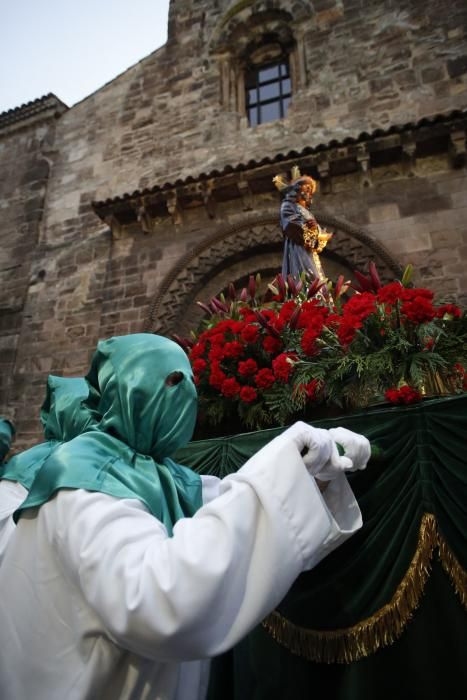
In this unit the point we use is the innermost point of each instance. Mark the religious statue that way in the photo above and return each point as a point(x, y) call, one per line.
point(304, 239)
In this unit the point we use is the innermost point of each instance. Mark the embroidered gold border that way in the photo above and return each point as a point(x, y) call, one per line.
point(387, 624)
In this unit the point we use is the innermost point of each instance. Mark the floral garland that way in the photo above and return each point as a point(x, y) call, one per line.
point(267, 360)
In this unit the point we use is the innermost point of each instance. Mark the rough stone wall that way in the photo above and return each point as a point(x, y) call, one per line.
point(22, 191)
point(364, 65)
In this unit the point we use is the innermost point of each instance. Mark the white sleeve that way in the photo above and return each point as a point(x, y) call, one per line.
point(210, 486)
point(199, 592)
point(12, 494)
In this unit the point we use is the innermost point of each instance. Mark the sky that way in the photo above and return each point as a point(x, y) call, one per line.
point(73, 47)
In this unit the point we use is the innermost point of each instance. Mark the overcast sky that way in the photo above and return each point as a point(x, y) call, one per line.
point(73, 47)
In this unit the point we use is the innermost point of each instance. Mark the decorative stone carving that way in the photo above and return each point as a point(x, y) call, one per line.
point(457, 148)
point(173, 207)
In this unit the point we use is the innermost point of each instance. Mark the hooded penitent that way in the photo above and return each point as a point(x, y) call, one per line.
point(143, 401)
point(62, 416)
point(7, 432)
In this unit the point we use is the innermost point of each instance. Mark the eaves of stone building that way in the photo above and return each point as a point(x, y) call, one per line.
point(43, 108)
point(443, 133)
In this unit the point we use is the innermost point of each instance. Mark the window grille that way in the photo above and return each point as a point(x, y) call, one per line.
point(268, 92)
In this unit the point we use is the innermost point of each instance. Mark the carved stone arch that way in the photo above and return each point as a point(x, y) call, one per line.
point(240, 34)
point(242, 15)
point(351, 247)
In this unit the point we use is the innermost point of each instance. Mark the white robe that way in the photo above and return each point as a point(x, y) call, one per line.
point(97, 602)
point(12, 494)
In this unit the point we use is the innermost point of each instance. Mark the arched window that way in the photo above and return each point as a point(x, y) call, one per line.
point(268, 91)
point(261, 55)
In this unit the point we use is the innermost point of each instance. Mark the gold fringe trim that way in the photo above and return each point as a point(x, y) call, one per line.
point(454, 570)
point(381, 629)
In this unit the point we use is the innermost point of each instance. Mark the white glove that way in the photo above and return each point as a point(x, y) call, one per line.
point(334, 466)
point(357, 453)
point(316, 442)
point(357, 448)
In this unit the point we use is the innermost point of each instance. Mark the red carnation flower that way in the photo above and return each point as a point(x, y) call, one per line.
point(416, 293)
point(248, 394)
point(269, 315)
point(216, 376)
point(199, 366)
point(272, 345)
point(419, 310)
point(405, 395)
point(390, 293)
point(313, 315)
point(197, 350)
point(347, 329)
point(230, 387)
point(247, 314)
point(233, 349)
point(333, 320)
point(392, 395)
point(247, 367)
point(360, 305)
point(249, 333)
point(311, 389)
point(216, 353)
point(409, 395)
point(450, 309)
point(283, 366)
point(264, 378)
point(285, 314)
point(308, 342)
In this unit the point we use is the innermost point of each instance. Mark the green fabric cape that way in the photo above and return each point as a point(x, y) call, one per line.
point(62, 416)
point(420, 654)
point(139, 421)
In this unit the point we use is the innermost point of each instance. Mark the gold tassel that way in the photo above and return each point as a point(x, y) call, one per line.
point(387, 624)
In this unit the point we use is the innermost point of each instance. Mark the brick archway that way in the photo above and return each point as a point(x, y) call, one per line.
point(351, 248)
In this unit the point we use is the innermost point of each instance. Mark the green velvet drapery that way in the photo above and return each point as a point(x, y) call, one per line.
point(383, 616)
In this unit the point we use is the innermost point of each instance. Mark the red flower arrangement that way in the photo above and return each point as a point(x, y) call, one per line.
point(405, 395)
point(268, 360)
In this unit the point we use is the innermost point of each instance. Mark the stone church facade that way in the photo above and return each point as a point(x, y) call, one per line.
point(155, 191)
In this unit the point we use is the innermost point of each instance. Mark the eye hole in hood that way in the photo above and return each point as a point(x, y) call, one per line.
point(174, 378)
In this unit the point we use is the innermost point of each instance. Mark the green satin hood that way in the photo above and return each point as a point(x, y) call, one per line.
point(7, 432)
point(139, 421)
point(130, 399)
point(63, 416)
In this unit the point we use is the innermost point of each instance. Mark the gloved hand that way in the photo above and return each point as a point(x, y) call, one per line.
point(356, 447)
point(357, 453)
point(317, 447)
